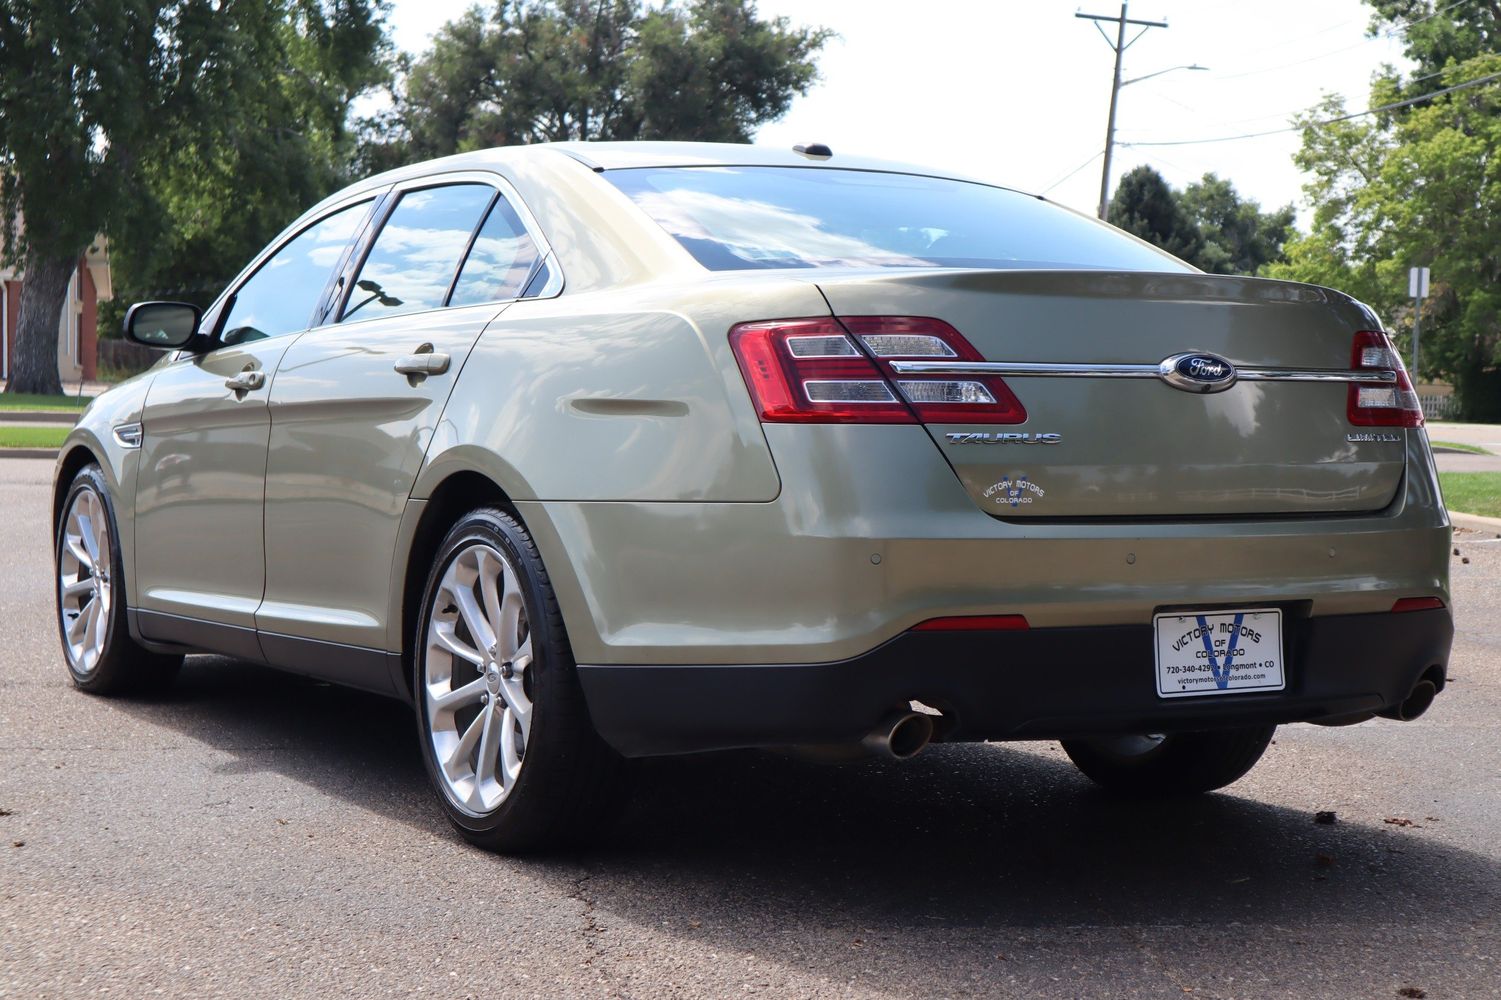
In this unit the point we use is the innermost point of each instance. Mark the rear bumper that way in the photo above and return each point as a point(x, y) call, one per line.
point(1044, 683)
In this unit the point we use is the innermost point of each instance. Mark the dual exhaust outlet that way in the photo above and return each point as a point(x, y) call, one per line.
point(904, 734)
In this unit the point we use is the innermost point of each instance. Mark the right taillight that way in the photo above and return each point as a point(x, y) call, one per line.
point(827, 370)
point(1381, 404)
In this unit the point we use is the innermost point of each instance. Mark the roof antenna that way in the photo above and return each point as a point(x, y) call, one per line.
point(814, 151)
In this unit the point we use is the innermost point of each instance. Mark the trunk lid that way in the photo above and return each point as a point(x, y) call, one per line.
point(1138, 447)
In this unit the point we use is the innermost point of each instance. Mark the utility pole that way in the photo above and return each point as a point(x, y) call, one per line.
point(1120, 45)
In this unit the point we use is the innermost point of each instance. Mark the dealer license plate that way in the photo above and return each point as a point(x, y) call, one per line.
point(1219, 652)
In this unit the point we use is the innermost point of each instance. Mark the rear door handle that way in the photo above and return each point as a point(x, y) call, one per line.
point(423, 363)
point(246, 381)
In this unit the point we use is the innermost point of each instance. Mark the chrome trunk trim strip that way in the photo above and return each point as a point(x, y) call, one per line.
point(1045, 370)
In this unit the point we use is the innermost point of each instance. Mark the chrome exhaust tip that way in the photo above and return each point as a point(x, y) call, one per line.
point(900, 736)
point(1415, 704)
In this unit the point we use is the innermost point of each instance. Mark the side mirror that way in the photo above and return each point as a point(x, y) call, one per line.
point(162, 324)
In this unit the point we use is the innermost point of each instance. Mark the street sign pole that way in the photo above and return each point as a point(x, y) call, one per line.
point(1417, 287)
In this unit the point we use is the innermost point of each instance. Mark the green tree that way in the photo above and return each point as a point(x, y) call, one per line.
point(1145, 205)
point(1207, 224)
point(1237, 237)
point(1422, 189)
point(550, 70)
point(1419, 186)
point(156, 122)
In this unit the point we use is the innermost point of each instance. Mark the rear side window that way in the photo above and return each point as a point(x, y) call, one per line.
point(499, 262)
point(413, 260)
point(279, 298)
point(736, 218)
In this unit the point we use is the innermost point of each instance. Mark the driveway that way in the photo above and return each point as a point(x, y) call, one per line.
point(252, 834)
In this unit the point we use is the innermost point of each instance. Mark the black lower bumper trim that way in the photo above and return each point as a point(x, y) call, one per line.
point(1036, 684)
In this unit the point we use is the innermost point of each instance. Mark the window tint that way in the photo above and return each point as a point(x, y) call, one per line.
point(417, 251)
point(502, 258)
point(733, 218)
point(280, 297)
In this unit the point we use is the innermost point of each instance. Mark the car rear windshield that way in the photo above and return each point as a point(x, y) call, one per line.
point(735, 218)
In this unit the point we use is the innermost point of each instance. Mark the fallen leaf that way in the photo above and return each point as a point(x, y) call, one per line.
point(1399, 821)
point(5, 812)
point(1325, 817)
point(1412, 991)
point(1324, 859)
point(18, 843)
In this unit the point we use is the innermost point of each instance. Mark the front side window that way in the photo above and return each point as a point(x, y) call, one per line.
point(412, 263)
point(499, 263)
point(280, 297)
point(737, 218)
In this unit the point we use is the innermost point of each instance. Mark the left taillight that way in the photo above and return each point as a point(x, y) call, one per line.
point(808, 371)
point(828, 370)
point(1381, 404)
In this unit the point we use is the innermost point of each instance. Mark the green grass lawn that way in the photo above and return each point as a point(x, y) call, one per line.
point(1472, 492)
point(31, 437)
point(1473, 449)
point(32, 401)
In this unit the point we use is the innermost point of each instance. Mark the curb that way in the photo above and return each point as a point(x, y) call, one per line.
point(28, 453)
point(38, 417)
point(1475, 522)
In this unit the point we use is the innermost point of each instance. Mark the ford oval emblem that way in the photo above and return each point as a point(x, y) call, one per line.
point(1197, 372)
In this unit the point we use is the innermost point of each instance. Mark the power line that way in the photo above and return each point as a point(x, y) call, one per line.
point(1328, 121)
point(1092, 158)
point(1386, 35)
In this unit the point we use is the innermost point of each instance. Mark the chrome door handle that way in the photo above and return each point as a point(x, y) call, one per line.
point(246, 381)
point(422, 364)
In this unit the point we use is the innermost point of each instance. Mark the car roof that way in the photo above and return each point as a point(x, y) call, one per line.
point(605, 156)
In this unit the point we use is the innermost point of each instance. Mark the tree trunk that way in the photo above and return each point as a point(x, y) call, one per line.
point(44, 291)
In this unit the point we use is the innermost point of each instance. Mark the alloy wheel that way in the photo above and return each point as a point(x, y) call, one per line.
point(83, 580)
point(477, 660)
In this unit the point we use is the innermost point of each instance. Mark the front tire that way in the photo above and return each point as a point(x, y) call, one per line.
point(101, 656)
point(504, 731)
point(1172, 764)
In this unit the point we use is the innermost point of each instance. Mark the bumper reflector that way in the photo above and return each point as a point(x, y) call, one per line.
point(1417, 604)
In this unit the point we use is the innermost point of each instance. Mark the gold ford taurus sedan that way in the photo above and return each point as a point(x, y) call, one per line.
point(594, 451)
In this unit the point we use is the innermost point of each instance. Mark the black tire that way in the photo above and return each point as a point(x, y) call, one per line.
point(569, 781)
point(1175, 764)
point(121, 666)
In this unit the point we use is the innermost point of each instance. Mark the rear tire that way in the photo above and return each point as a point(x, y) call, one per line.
point(101, 656)
point(1174, 764)
point(504, 732)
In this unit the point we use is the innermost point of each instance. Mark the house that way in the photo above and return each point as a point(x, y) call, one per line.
point(77, 328)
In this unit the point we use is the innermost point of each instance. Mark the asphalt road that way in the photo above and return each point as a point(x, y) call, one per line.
point(256, 835)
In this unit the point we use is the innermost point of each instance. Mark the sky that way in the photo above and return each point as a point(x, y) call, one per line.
point(1016, 92)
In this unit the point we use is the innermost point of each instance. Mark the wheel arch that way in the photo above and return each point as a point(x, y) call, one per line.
point(72, 460)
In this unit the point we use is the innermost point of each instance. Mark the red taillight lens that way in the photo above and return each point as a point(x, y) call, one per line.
point(808, 370)
point(974, 623)
point(1381, 404)
point(821, 370)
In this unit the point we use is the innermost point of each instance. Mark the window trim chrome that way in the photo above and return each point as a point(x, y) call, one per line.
point(503, 188)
